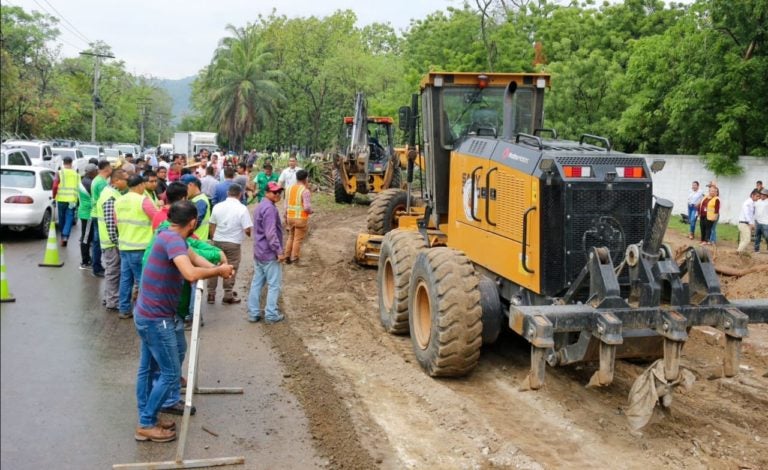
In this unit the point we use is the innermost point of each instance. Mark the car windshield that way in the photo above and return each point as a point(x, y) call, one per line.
point(112, 152)
point(17, 178)
point(89, 150)
point(126, 149)
point(32, 150)
point(65, 152)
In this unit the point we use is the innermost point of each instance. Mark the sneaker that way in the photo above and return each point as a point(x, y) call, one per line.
point(178, 409)
point(98, 274)
point(272, 321)
point(85, 266)
point(154, 434)
point(63, 242)
point(254, 319)
point(124, 315)
point(112, 309)
point(230, 300)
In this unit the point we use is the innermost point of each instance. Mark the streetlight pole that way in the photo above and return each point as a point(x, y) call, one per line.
point(95, 96)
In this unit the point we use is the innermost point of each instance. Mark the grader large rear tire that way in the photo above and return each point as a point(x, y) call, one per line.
point(396, 258)
point(444, 312)
point(382, 214)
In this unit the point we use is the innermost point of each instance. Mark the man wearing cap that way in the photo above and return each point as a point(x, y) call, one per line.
point(200, 200)
point(133, 212)
point(65, 191)
point(267, 256)
point(108, 237)
point(761, 219)
point(84, 214)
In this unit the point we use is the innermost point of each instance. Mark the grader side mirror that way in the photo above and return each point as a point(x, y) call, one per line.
point(403, 118)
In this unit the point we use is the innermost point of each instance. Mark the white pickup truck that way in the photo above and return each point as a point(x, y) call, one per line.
point(39, 152)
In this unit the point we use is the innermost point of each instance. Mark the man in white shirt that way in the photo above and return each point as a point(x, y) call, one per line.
point(761, 219)
point(229, 224)
point(288, 176)
point(747, 221)
point(694, 200)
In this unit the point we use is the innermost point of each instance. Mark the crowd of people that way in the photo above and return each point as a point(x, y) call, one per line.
point(153, 228)
point(704, 206)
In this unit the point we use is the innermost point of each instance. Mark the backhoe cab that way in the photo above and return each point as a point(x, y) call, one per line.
point(369, 163)
point(559, 240)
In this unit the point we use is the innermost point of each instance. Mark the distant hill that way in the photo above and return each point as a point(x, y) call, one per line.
point(180, 91)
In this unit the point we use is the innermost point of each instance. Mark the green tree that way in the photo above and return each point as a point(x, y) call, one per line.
point(242, 92)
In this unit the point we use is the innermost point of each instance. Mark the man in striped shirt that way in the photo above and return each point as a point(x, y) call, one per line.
point(170, 262)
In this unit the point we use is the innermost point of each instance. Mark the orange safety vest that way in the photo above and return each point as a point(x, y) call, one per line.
point(295, 204)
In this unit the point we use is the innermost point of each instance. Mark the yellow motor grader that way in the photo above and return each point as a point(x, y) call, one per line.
point(561, 241)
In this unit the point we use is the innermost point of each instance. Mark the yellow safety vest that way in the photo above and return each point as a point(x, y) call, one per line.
point(711, 215)
point(133, 225)
point(204, 229)
point(106, 194)
point(295, 204)
point(69, 180)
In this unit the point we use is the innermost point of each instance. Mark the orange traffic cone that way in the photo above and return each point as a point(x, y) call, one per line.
point(5, 295)
point(51, 258)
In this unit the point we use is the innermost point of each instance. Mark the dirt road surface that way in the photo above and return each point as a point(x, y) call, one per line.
point(369, 404)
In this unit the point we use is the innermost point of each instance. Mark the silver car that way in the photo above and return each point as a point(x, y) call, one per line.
point(78, 158)
point(26, 198)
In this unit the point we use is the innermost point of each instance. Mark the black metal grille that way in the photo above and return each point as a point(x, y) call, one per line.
point(590, 160)
point(601, 217)
point(552, 239)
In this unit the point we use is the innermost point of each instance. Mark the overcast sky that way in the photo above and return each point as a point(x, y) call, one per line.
point(176, 38)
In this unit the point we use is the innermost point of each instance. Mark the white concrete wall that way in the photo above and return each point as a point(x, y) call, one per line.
point(674, 182)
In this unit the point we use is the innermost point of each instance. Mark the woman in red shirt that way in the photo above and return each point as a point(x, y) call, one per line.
point(709, 211)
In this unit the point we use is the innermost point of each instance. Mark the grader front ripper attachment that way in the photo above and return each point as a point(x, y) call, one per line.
point(653, 322)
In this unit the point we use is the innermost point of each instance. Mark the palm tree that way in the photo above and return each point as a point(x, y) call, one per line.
point(242, 94)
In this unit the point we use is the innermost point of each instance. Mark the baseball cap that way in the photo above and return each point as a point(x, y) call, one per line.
point(91, 167)
point(273, 187)
point(764, 191)
point(186, 179)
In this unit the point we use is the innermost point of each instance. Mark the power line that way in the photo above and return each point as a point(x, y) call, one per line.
point(76, 35)
point(67, 21)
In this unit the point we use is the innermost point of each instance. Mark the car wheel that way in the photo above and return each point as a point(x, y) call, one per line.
point(42, 230)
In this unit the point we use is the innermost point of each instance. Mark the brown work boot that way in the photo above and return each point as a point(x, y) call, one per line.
point(154, 434)
point(166, 424)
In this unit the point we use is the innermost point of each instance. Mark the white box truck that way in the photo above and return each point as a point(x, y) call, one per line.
point(191, 143)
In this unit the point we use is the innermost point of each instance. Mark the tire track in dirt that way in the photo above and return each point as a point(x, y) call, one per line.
point(400, 418)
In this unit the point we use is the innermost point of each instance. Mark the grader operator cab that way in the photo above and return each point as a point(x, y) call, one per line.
point(559, 240)
point(369, 164)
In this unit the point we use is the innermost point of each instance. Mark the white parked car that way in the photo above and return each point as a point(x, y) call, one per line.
point(128, 148)
point(79, 160)
point(14, 156)
point(39, 152)
point(90, 150)
point(26, 198)
point(113, 155)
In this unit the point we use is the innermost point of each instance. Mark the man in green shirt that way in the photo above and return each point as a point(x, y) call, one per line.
point(262, 179)
point(100, 182)
point(84, 214)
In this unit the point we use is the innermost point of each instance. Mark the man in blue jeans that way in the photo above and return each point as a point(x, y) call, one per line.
point(267, 256)
point(134, 212)
point(65, 191)
point(169, 263)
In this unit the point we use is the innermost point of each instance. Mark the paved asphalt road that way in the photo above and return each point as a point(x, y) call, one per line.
point(68, 378)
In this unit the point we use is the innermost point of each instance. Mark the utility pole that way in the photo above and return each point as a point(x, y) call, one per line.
point(95, 99)
point(144, 111)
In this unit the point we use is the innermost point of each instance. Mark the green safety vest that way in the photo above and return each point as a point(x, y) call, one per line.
point(108, 193)
point(97, 186)
point(69, 180)
point(84, 211)
point(133, 224)
point(204, 228)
